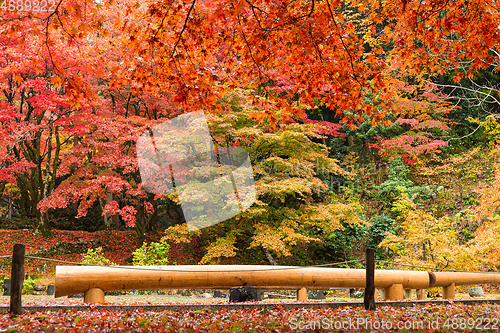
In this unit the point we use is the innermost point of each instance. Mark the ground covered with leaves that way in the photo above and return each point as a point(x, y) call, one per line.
point(451, 317)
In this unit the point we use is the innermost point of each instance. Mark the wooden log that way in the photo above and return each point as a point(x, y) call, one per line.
point(369, 295)
point(449, 292)
point(78, 279)
point(394, 291)
point(302, 295)
point(17, 278)
point(444, 279)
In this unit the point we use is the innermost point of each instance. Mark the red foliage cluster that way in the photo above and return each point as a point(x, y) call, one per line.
point(325, 127)
point(413, 143)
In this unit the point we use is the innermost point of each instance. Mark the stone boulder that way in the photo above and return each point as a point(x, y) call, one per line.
point(316, 294)
point(244, 294)
point(476, 292)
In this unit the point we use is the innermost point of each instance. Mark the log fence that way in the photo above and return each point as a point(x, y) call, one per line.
point(94, 281)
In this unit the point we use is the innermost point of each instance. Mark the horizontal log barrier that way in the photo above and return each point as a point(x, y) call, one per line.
point(444, 279)
point(90, 279)
point(93, 281)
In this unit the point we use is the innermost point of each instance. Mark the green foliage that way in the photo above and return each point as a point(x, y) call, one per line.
point(95, 257)
point(381, 225)
point(152, 254)
point(398, 182)
point(29, 285)
point(343, 243)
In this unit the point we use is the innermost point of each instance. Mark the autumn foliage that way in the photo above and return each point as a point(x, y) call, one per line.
point(81, 82)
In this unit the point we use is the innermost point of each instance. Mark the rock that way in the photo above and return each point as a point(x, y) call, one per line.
point(244, 294)
point(42, 269)
point(381, 293)
point(38, 287)
point(206, 295)
point(51, 289)
point(133, 292)
point(6, 287)
point(476, 292)
point(36, 292)
point(316, 294)
point(76, 296)
point(356, 293)
point(218, 294)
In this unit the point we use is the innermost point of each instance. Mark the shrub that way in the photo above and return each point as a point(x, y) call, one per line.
point(398, 182)
point(381, 226)
point(95, 257)
point(154, 254)
point(29, 285)
point(342, 244)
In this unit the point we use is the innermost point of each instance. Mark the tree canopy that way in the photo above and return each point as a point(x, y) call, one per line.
point(82, 80)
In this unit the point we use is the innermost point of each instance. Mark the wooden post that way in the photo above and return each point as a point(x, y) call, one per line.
point(94, 295)
point(449, 292)
point(394, 291)
point(370, 280)
point(420, 293)
point(302, 295)
point(16, 279)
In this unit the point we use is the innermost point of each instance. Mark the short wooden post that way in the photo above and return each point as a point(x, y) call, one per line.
point(420, 293)
point(394, 291)
point(94, 295)
point(16, 279)
point(369, 299)
point(449, 292)
point(302, 295)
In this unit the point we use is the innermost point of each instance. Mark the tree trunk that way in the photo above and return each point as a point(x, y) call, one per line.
point(8, 214)
point(44, 225)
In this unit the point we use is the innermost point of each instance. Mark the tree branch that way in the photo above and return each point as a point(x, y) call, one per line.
point(183, 28)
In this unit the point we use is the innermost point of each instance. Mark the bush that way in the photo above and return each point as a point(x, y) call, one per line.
point(29, 285)
point(381, 226)
point(344, 243)
point(95, 258)
point(398, 182)
point(154, 254)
